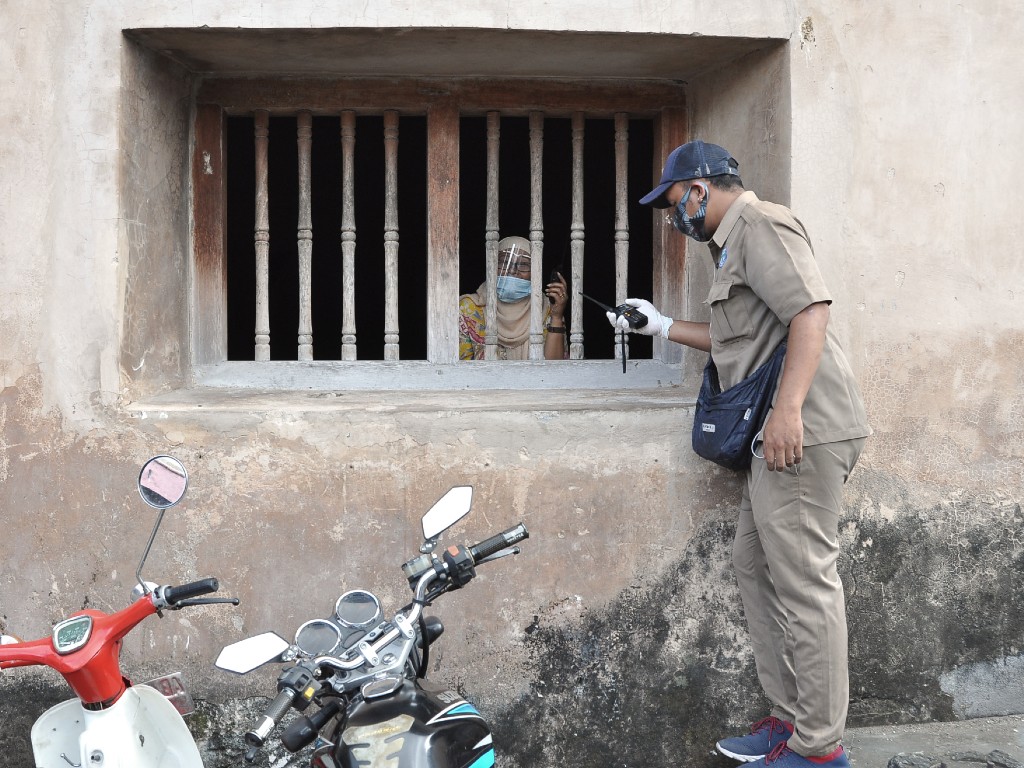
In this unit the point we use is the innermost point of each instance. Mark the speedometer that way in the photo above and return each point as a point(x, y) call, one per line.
point(357, 609)
point(71, 634)
point(318, 637)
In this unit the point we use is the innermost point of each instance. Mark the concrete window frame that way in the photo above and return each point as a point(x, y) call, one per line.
point(218, 98)
point(579, 71)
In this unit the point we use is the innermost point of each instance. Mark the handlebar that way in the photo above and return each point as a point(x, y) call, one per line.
point(175, 595)
point(478, 553)
point(277, 709)
point(302, 732)
point(488, 547)
point(93, 669)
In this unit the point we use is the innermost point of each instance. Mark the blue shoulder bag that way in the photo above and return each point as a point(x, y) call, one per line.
point(726, 423)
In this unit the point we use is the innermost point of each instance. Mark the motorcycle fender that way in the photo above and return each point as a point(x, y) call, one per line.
point(141, 730)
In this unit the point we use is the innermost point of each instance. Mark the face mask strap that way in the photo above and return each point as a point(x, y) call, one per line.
point(703, 186)
point(691, 226)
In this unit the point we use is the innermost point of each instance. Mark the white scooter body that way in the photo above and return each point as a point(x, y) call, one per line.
point(142, 729)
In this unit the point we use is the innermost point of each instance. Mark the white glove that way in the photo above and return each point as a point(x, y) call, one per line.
point(657, 323)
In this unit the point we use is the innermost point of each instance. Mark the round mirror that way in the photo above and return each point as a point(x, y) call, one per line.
point(162, 482)
point(318, 637)
point(357, 608)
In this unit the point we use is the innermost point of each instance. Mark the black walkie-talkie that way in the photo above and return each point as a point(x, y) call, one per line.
point(634, 317)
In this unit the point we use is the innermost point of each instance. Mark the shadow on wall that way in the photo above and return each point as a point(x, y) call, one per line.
point(934, 592)
point(665, 671)
point(650, 681)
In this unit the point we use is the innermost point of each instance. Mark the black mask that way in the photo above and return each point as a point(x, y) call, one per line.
point(692, 226)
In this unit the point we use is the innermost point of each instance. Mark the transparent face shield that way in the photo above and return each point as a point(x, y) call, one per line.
point(514, 262)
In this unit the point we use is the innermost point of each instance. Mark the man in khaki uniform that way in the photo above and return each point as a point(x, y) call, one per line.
point(767, 286)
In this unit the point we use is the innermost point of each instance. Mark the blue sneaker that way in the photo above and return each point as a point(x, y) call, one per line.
point(782, 756)
point(763, 737)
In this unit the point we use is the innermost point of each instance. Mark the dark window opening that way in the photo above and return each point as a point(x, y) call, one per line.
point(514, 216)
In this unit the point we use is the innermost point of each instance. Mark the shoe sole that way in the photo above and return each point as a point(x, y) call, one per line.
point(734, 756)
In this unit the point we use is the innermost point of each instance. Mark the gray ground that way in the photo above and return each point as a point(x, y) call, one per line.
point(964, 744)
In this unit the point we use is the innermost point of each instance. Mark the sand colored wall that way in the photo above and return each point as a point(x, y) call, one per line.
point(892, 134)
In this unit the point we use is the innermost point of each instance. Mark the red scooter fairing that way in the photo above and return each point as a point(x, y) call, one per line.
point(93, 670)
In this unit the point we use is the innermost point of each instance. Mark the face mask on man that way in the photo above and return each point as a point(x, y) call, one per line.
point(511, 289)
point(692, 226)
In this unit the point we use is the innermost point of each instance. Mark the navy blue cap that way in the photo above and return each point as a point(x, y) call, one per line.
point(693, 160)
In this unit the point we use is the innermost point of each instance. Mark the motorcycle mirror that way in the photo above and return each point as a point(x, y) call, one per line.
point(162, 482)
point(246, 655)
point(445, 513)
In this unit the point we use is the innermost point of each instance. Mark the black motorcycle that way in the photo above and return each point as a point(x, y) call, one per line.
point(365, 674)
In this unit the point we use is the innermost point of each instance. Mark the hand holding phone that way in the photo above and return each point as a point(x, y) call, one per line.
point(557, 291)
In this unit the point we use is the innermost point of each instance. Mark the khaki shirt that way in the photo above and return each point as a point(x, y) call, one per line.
point(765, 274)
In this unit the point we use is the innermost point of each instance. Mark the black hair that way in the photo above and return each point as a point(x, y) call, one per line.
point(726, 182)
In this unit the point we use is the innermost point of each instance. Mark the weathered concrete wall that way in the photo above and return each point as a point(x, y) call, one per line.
point(619, 628)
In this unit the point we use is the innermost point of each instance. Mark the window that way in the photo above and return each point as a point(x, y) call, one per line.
point(340, 220)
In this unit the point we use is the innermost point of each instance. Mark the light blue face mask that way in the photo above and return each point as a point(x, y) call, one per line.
point(511, 289)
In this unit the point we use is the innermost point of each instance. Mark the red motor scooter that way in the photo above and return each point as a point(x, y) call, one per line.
point(112, 723)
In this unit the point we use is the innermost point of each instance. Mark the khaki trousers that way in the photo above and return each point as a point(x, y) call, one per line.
point(785, 558)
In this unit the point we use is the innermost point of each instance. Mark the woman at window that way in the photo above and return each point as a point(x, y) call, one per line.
point(513, 310)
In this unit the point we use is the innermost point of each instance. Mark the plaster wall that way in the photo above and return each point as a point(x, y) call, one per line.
point(619, 627)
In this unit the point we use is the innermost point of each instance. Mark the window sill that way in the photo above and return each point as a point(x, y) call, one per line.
point(413, 386)
point(378, 375)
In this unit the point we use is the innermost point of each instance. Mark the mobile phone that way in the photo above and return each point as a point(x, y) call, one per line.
point(553, 278)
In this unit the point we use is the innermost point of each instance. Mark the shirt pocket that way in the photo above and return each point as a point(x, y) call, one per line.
point(730, 320)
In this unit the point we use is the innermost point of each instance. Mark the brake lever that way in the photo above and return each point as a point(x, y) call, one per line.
point(206, 601)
